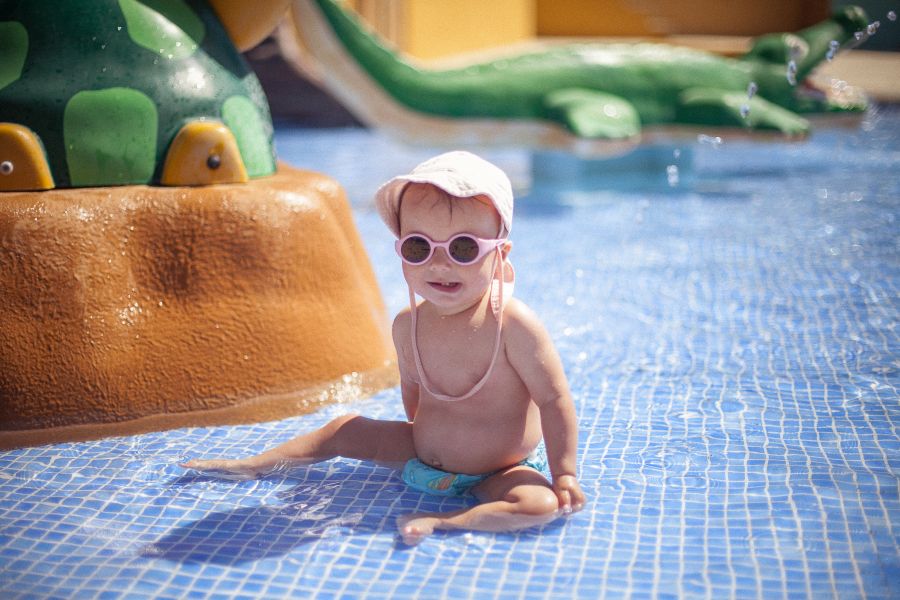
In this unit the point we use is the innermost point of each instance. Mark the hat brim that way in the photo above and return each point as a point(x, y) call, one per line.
point(459, 174)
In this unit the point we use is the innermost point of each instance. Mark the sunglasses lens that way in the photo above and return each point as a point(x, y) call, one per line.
point(415, 249)
point(464, 249)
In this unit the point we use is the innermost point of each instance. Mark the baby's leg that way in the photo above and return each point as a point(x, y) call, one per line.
point(515, 499)
point(350, 436)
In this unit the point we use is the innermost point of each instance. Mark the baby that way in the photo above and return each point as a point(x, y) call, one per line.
point(488, 408)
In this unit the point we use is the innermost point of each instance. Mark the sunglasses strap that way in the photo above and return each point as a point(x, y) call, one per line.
point(423, 378)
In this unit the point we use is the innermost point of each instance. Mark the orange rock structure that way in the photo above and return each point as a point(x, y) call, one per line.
point(137, 308)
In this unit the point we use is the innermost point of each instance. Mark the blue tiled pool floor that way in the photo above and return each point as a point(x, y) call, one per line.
point(732, 347)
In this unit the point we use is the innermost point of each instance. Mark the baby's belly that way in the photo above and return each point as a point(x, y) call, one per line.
point(473, 448)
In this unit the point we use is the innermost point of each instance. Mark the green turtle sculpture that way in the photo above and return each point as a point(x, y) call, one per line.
point(115, 92)
point(588, 97)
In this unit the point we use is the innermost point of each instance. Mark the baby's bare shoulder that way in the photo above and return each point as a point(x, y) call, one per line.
point(522, 325)
point(402, 322)
point(518, 314)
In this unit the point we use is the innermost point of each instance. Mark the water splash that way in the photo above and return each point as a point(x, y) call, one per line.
point(833, 47)
point(798, 50)
point(672, 175)
point(714, 141)
point(872, 29)
point(751, 91)
point(792, 72)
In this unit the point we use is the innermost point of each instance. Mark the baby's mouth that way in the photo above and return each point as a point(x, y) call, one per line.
point(445, 286)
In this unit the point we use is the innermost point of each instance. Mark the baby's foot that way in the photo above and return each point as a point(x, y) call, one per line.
point(415, 528)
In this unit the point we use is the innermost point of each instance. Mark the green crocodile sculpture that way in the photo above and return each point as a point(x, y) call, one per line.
point(607, 93)
point(115, 92)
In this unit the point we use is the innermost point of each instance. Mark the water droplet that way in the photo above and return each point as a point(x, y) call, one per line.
point(752, 89)
point(676, 153)
point(745, 110)
point(672, 175)
point(833, 47)
point(892, 16)
point(792, 72)
point(873, 27)
point(858, 35)
point(6, 167)
point(714, 141)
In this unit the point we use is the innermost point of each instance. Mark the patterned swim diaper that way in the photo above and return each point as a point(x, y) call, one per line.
point(430, 480)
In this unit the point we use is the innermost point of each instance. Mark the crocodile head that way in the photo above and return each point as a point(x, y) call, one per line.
point(781, 64)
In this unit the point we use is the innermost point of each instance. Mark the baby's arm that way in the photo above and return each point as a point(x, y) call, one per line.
point(532, 354)
point(410, 393)
point(409, 389)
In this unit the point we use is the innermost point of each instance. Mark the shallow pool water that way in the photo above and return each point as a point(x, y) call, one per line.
point(728, 319)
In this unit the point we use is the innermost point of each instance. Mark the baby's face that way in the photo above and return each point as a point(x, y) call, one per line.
point(451, 287)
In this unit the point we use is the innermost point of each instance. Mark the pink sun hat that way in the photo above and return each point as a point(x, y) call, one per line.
point(459, 173)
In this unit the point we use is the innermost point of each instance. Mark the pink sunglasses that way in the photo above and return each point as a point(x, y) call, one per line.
point(463, 248)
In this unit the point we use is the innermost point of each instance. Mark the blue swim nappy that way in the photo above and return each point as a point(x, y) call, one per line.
point(430, 480)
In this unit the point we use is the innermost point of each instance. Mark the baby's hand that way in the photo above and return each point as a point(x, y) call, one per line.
point(569, 494)
point(227, 469)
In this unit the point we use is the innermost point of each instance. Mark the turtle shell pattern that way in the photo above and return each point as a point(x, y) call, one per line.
point(106, 85)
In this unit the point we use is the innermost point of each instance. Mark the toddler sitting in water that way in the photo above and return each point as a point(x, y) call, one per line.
point(488, 406)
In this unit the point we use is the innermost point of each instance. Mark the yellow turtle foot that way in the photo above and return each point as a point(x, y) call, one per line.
point(203, 153)
point(23, 164)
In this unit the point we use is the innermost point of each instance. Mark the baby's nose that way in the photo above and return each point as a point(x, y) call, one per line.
point(439, 260)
